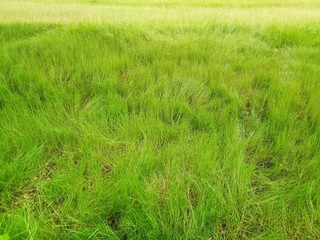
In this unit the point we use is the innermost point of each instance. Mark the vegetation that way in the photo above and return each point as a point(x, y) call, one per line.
point(159, 121)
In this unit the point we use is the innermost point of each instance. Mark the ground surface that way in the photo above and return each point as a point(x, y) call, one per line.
point(160, 119)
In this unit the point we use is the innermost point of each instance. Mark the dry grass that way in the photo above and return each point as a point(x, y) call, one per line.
point(52, 12)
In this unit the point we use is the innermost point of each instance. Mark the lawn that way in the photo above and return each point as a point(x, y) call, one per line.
point(159, 119)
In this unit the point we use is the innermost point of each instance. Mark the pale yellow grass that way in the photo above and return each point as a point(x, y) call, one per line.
point(64, 12)
point(203, 3)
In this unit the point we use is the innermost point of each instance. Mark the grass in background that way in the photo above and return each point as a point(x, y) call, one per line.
point(146, 13)
point(192, 131)
point(193, 3)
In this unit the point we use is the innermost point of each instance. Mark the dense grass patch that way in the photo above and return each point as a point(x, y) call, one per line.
point(195, 131)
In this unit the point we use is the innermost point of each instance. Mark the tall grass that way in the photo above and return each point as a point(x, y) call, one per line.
point(207, 130)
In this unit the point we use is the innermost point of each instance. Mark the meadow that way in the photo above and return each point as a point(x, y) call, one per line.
point(161, 119)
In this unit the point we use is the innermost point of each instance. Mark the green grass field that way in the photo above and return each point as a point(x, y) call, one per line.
point(159, 119)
